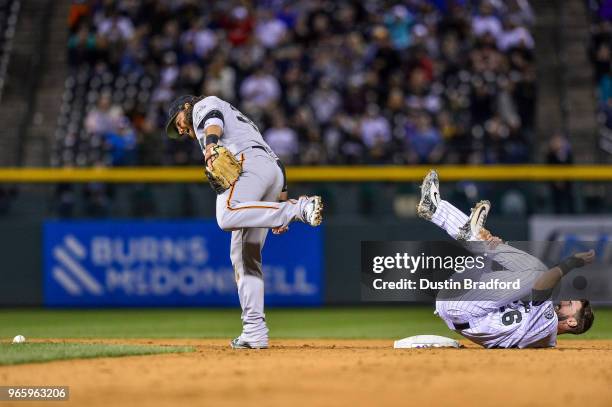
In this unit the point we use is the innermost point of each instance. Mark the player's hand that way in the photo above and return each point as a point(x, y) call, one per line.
point(209, 157)
point(484, 234)
point(587, 257)
point(280, 230)
point(492, 241)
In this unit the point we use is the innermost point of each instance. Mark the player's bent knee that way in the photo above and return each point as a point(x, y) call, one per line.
point(224, 221)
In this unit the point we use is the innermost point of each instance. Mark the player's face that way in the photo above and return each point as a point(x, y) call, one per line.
point(183, 126)
point(567, 309)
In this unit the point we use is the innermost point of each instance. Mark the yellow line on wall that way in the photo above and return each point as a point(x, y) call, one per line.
point(315, 174)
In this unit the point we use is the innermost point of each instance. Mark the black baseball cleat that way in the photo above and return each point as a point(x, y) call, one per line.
point(475, 224)
point(238, 343)
point(430, 195)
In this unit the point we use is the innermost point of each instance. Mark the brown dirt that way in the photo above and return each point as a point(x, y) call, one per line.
point(331, 372)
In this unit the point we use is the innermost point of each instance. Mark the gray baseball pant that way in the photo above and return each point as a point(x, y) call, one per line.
point(248, 210)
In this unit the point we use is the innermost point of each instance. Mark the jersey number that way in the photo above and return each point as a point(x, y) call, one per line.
point(240, 116)
point(512, 317)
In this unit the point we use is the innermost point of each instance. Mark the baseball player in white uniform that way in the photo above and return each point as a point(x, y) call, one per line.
point(255, 202)
point(516, 319)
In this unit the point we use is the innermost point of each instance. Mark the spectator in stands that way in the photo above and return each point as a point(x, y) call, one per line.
point(352, 148)
point(203, 38)
point(421, 96)
point(324, 101)
point(385, 59)
point(121, 144)
point(269, 29)
point(239, 26)
point(361, 72)
point(374, 127)
point(600, 52)
point(81, 46)
point(312, 151)
point(520, 11)
point(104, 117)
point(220, 79)
point(425, 144)
point(282, 139)
point(399, 22)
point(170, 70)
point(115, 27)
point(79, 10)
point(602, 71)
point(514, 35)
point(560, 153)
point(486, 22)
point(133, 59)
point(261, 89)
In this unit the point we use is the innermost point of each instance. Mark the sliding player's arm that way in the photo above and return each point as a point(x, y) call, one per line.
point(546, 283)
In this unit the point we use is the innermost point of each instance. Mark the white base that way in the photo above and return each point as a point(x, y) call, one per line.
point(426, 341)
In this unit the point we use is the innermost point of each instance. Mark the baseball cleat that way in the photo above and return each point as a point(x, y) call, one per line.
point(312, 211)
point(238, 343)
point(475, 224)
point(430, 195)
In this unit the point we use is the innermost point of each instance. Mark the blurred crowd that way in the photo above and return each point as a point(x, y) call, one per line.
point(328, 82)
point(600, 51)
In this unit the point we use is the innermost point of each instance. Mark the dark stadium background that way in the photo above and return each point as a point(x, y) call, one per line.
point(381, 89)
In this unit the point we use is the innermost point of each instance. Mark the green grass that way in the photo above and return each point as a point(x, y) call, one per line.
point(43, 352)
point(356, 322)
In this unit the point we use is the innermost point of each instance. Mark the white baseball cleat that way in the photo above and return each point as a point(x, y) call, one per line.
point(430, 195)
point(238, 343)
point(475, 224)
point(312, 211)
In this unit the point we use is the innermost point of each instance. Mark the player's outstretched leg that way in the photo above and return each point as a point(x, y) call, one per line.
point(472, 229)
point(434, 209)
point(235, 213)
point(443, 214)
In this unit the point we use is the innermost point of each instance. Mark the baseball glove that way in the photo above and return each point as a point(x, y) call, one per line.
point(225, 169)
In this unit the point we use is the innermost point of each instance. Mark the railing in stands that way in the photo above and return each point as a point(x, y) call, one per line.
point(316, 174)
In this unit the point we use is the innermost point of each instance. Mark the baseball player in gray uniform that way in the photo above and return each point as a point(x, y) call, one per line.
point(255, 202)
point(516, 319)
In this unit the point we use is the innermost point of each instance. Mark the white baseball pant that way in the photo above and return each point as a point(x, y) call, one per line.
point(516, 263)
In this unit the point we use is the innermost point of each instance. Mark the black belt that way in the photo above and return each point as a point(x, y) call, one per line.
point(261, 148)
point(462, 326)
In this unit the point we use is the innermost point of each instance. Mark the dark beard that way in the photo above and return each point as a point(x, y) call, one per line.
point(189, 114)
point(189, 110)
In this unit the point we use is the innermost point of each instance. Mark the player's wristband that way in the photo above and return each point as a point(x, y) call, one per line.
point(212, 139)
point(570, 263)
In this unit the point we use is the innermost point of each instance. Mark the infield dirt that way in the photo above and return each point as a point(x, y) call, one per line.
point(331, 372)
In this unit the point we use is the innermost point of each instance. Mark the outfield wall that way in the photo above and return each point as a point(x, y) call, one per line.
point(336, 277)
